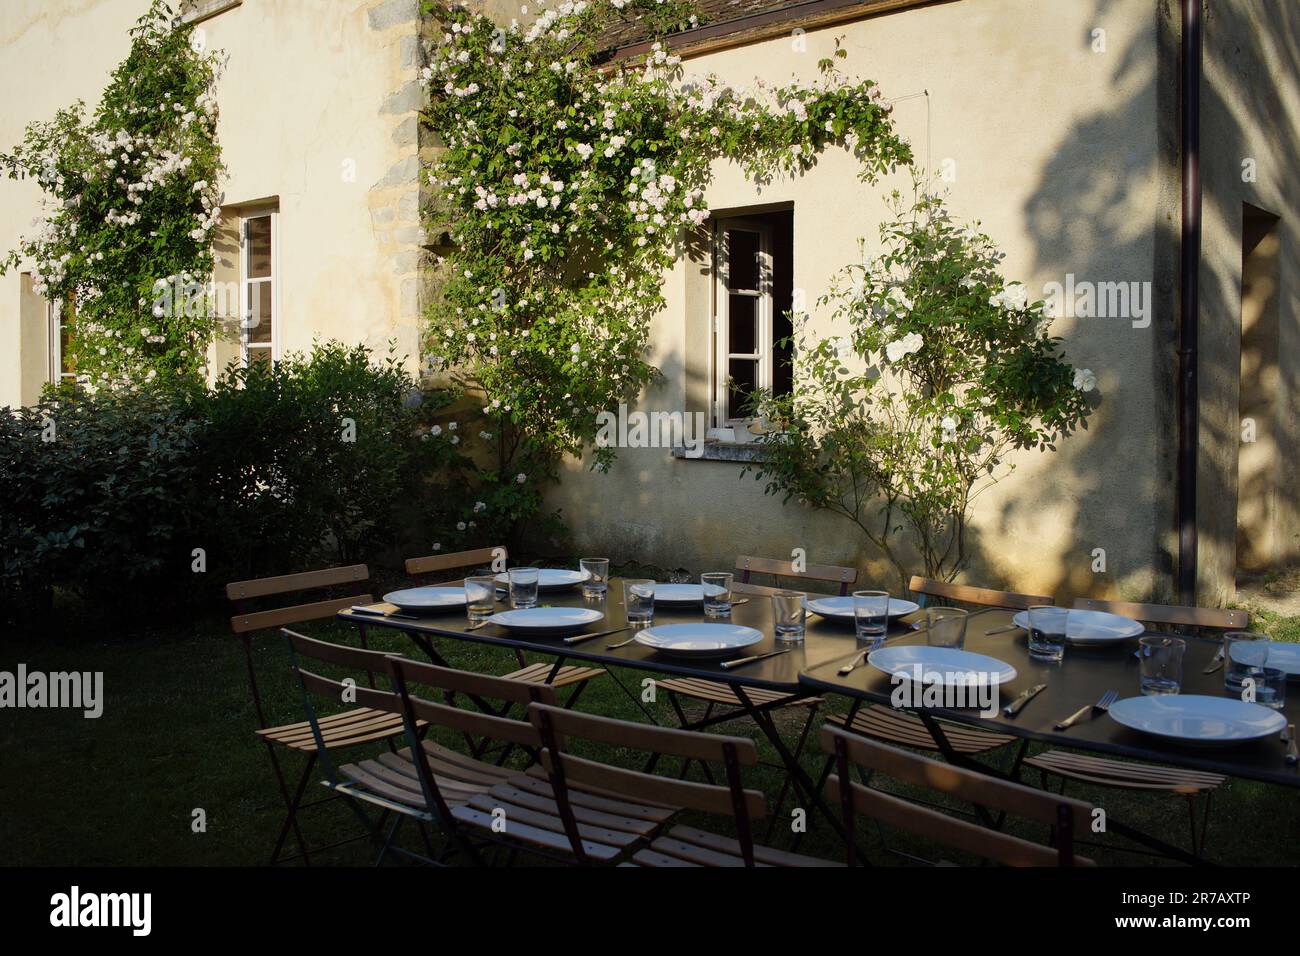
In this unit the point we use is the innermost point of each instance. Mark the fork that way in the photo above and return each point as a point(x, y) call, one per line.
point(1102, 704)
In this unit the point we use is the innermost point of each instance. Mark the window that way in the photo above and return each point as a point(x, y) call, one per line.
point(259, 339)
point(63, 320)
point(753, 270)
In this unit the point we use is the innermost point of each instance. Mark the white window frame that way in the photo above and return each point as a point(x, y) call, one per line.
point(721, 353)
point(57, 375)
point(246, 282)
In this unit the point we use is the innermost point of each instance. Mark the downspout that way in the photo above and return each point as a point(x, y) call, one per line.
point(1189, 275)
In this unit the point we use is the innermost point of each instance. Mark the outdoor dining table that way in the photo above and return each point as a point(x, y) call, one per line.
point(1081, 677)
point(825, 642)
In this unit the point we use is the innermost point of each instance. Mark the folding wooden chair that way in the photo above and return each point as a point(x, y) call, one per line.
point(1064, 816)
point(908, 730)
point(358, 726)
point(1131, 775)
point(681, 846)
point(478, 803)
point(538, 673)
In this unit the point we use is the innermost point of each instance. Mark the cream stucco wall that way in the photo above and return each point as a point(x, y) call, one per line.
point(1056, 151)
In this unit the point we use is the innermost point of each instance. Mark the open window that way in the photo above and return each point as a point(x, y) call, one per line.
point(63, 320)
point(259, 338)
point(753, 272)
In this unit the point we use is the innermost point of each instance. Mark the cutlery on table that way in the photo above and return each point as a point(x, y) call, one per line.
point(1102, 704)
point(374, 611)
point(1018, 704)
point(740, 601)
point(1292, 757)
point(1003, 629)
point(857, 662)
point(579, 638)
point(475, 627)
point(1215, 663)
point(728, 665)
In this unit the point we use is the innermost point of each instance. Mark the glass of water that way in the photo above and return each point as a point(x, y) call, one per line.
point(597, 582)
point(717, 593)
point(639, 600)
point(1244, 655)
point(523, 587)
point(1161, 665)
point(480, 598)
point(946, 627)
point(788, 612)
point(1271, 688)
point(871, 616)
point(1047, 630)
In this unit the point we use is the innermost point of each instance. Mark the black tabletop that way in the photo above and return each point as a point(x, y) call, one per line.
point(1081, 678)
point(825, 640)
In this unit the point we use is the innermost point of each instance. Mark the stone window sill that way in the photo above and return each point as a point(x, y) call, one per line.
point(206, 9)
point(744, 452)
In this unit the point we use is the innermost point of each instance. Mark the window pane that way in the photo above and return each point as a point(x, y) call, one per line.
point(742, 323)
point(742, 259)
point(743, 375)
point(258, 317)
point(259, 247)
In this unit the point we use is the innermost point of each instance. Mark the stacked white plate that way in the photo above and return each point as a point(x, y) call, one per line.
point(683, 594)
point(546, 621)
point(550, 579)
point(1091, 628)
point(1198, 720)
point(703, 640)
point(945, 666)
point(428, 600)
point(841, 608)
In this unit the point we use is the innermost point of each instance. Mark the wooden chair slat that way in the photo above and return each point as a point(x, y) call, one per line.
point(762, 854)
point(948, 830)
point(297, 614)
point(453, 560)
point(534, 836)
point(467, 682)
point(499, 800)
point(476, 723)
point(660, 740)
point(1126, 776)
point(744, 587)
point(708, 798)
point(815, 572)
point(354, 658)
point(301, 581)
point(1213, 617)
point(984, 597)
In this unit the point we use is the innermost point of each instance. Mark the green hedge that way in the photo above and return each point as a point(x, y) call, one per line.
point(327, 458)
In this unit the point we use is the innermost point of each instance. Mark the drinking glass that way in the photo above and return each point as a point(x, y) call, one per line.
point(1270, 690)
point(717, 593)
point(639, 600)
point(871, 616)
point(598, 583)
point(788, 611)
point(523, 587)
point(1047, 629)
point(1161, 665)
point(946, 627)
point(1245, 653)
point(480, 598)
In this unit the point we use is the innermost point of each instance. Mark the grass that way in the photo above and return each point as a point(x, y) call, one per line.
point(176, 737)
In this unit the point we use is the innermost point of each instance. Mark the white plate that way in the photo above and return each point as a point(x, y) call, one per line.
point(427, 600)
point(841, 608)
point(1199, 720)
point(551, 579)
point(1285, 657)
point(941, 665)
point(547, 620)
point(683, 593)
point(699, 640)
point(1091, 627)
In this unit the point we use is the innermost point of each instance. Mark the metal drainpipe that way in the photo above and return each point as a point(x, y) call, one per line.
point(1190, 260)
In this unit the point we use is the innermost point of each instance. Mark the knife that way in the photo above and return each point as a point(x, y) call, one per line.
point(1292, 757)
point(1215, 664)
point(728, 665)
point(1016, 705)
point(579, 638)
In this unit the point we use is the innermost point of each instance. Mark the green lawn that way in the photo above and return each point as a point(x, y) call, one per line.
point(176, 735)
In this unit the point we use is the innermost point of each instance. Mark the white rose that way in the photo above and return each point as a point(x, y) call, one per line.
point(1084, 380)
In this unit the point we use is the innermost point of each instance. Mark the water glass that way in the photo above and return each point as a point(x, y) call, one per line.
point(1047, 629)
point(1270, 690)
point(523, 587)
point(871, 617)
point(1160, 661)
point(717, 593)
point(597, 582)
point(639, 600)
point(480, 598)
point(788, 613)
point(946, 627)
point(1244, 655)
